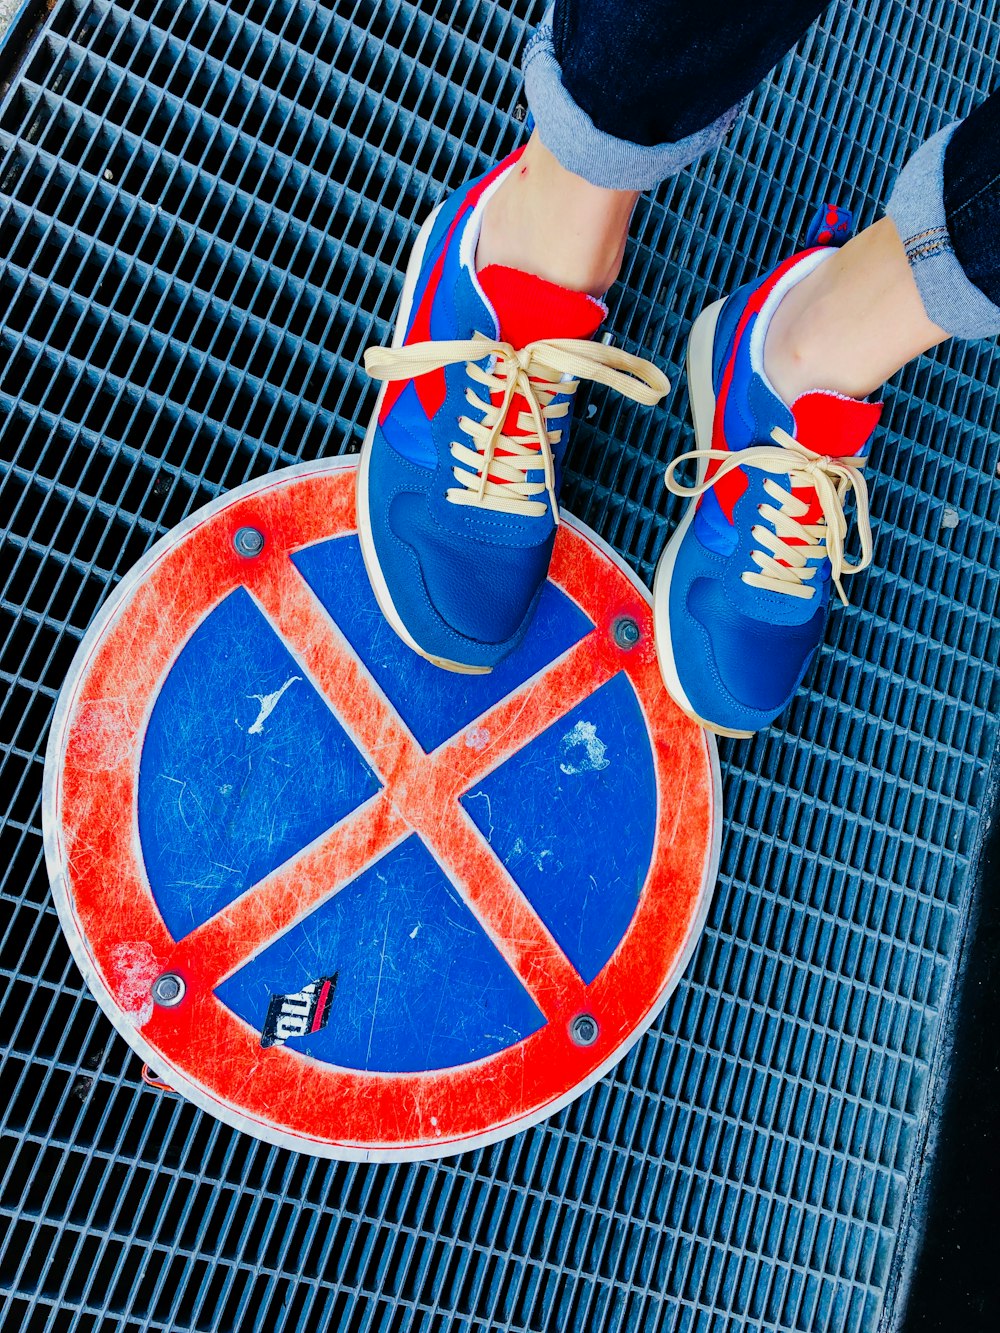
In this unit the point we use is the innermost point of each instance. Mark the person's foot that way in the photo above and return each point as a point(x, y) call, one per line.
point(742, 589)
point(457, 492)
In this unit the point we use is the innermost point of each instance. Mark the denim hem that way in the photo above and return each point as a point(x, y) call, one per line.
point(916, 207)
point(572, 137)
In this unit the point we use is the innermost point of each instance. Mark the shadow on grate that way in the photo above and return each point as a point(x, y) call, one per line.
point(206, 211)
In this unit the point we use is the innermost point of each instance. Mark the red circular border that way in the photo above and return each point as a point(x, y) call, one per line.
point(276, 1093)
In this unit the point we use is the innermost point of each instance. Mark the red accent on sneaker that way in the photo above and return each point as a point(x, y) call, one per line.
point(431, 388)
point(731, 488)
point(814, 514)
point(831, 424)
point(835, 426)
point(529, 308)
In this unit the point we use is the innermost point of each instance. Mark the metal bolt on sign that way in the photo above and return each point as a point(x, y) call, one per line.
point(626, 632)
point(584, 1029)
point(249, 542)
point(168, 989)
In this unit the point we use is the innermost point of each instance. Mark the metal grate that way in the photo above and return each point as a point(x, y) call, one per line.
point(206, 209)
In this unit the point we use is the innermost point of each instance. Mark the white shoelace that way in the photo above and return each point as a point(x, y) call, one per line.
point(493, 472)
point(786, 548)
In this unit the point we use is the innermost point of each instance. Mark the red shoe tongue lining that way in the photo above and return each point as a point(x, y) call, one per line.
point(830, 424)
point(529, 308)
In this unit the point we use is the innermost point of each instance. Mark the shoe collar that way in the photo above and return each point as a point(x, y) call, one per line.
point(523, 306)
point(824, 421)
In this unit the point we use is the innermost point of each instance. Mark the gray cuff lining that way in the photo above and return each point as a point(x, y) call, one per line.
point(573, 138)
point(916, 207)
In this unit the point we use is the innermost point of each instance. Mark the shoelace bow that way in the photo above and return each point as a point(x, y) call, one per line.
point(783, 563)
point(494, 472)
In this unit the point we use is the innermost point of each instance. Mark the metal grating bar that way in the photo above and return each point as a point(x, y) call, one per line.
point(206, 209)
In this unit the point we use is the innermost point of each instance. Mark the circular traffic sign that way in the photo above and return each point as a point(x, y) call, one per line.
point(341, 899)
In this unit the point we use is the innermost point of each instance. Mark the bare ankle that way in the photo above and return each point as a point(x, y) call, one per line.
point(851, 323)
point(795, 360)
point(545, 220)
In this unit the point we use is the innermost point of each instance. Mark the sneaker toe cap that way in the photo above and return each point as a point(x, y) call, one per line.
point(755, 667)
point(481, 591)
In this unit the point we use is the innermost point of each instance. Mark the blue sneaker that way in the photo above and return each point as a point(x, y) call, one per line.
point(742, 589)
point(457, 491)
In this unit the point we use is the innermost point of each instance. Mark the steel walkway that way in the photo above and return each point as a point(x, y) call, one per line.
point(206, 209)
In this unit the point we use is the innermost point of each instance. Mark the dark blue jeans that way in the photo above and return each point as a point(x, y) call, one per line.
point(655, 72)
point(972, 195)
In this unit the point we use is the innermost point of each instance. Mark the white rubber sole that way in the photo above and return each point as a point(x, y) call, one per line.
point(372, 566)
point(699, 374)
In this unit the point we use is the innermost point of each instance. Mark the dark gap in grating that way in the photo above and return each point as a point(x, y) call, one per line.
point(135, 291)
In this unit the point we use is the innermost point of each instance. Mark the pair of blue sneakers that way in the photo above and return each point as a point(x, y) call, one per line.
point(459, 475)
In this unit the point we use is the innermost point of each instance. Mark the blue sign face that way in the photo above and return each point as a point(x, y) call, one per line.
point(244, 765)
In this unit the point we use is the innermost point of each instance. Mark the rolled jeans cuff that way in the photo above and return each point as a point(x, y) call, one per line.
point(916, 206)
point(578, 145)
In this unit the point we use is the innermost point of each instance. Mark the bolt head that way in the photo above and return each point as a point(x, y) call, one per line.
point(168, 989)
point(249, 542)
point(626, 632)
point(584, 1030)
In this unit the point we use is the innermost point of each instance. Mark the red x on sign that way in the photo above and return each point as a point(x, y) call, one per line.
point(118, 933)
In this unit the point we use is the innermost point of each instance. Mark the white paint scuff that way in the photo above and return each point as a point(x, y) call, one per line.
point(584, 750)
point(268, 703)
point(134, 969)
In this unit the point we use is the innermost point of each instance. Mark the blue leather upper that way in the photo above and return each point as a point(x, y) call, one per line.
point(740, 651)
point(464, 579)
